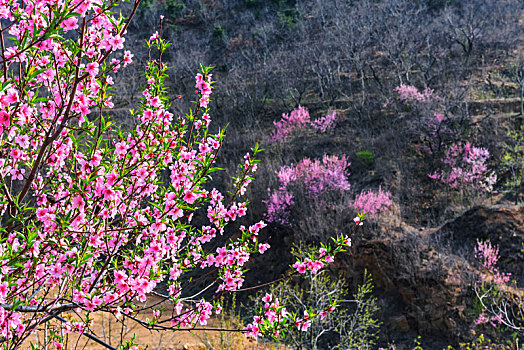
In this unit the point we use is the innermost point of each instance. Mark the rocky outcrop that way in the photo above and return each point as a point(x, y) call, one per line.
point(424, 277)
point(418, 292)
point(503, 225)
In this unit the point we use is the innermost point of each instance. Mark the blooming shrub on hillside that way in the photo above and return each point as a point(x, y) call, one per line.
point(465, 166)
point(462, 164)
point(489, 256)
point(448, 145)
point(326, 123)
point(408, 93)
point(372, 202)
point(279, 204)
point(501, 303)
point(313, 177)
point(298, 120)
point(317, 176)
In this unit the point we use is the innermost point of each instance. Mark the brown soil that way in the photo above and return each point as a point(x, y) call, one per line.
point(108, 329)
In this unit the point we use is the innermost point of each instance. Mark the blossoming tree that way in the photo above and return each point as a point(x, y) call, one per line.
point(88, 223)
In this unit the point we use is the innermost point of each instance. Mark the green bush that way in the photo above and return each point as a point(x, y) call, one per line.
point(365, 157)
point(218, 32)
point(513, 161)
point(174, 8)
point(288, 17)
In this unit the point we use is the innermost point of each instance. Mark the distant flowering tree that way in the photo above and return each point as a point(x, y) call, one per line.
point(408, 93)
point(317, 176)
point(465, 166)
point(462, 164)
point(501, 302)
point(456, 162)
point(312, 177)
point(489, 256)
point(372, 202)
point(326, 123)
point(437, 127)
point(88, 224)
point(298, 120)
point(279, 205)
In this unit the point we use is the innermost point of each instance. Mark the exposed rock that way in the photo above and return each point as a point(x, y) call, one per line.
point(427, 275)
point(399, 324)
point(503, 225)
point(425, 294)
